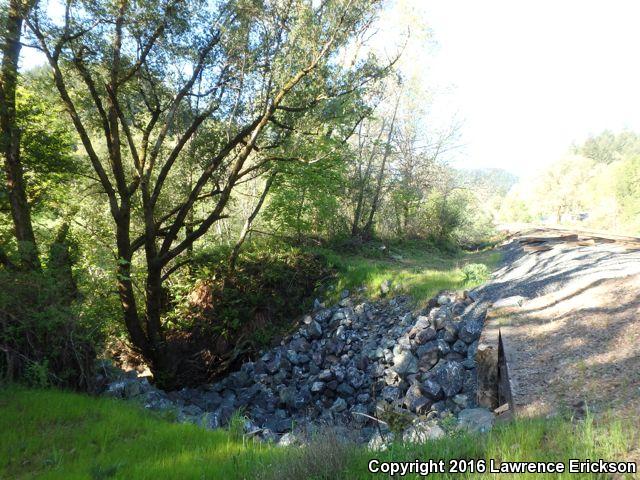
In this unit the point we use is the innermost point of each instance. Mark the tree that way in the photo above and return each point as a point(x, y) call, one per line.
point(140, 80)
point(10, 135)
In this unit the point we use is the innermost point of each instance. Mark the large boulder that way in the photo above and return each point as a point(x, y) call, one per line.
point(470, 330)
point(432, 389)
point(422, 432)
point(450, 376)
point(313, 330)
point(415, 400)
point(405, 363)
point(429, 353)
point(425, 335)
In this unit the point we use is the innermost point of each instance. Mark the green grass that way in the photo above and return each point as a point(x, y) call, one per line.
point(59, 435)
point(553, 440)
point(414, 268)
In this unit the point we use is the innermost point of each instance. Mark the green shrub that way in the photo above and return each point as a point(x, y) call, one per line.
point(43, 340)
point(475, 273)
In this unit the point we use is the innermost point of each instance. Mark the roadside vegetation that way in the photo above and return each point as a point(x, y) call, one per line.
point(596, 185)
point(62, 435)
point(418, 269)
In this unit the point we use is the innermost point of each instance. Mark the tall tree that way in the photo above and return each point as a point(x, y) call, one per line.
point(10, 133)
point(255, 68)
point(367, 230)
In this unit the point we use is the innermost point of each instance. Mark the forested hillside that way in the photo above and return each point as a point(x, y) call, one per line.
point(596, 185)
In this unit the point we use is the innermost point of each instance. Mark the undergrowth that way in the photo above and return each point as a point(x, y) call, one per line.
point(416, 268)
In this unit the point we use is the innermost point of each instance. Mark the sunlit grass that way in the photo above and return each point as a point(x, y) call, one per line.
point(51, 434)
point(416, 269)
point(554, 440)
point(58, 435)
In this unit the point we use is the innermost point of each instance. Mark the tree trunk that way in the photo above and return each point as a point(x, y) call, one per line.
point(125, 286)
point(367, 231)
point(10, 137)
point(247, 224)
point(364, 180)
point(60, 263)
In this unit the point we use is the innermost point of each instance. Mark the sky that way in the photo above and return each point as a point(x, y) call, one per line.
point(526, 79)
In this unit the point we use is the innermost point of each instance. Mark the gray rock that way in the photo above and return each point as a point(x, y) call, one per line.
point(268, 435)
point(470, 330)
point(339, 405)
point(440, 317)
point(476, 419)
point(422, 432)
point(430, 353)
point(288, 396)
point(317, 387)
point(302, 397)
point(405, 363)
point(246, 395)
point(461, 400)
point(355, 377)
point(473, 349)
point(279, 425)
point(425, 335)
point(469, 363)
point(156, 400)
point(378, 443)
point(447, 336)
point(390, 393)
point(432, 389)
point(358, 412)
point(287, 440)
point(443, 300)
point(126, 388)
point(363, 398)
point(323, 315)
point(224, 414)
point(345, 390)
point(210, 420)
point(470, 382)
point(313, 330)
point(460, 347)
point(450, 376)
point(415, 401)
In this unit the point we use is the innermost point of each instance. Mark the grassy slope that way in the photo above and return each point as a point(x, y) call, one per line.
point(52, 434)
point(420, 270)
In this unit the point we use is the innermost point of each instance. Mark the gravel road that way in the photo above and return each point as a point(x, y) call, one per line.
point(576, 331)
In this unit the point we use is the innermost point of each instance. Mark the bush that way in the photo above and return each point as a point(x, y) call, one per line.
point(42, 340)
point(215, 318)
point(475, 273)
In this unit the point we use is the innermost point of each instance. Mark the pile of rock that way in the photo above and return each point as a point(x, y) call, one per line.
point(344, 366)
